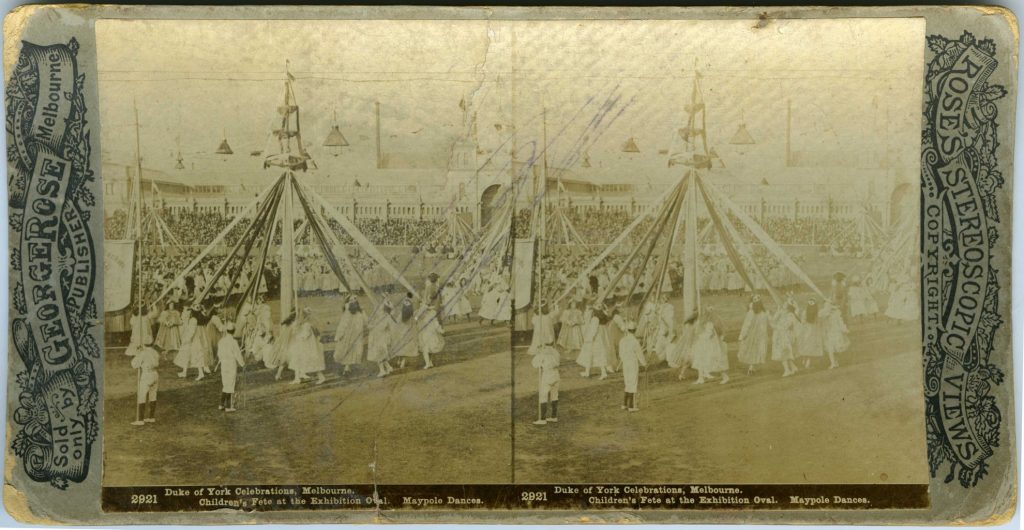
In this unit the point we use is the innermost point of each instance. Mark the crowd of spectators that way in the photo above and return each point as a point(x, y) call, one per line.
point(838, 236)
point(196, 230)
point(200, 228)
point(835, 236)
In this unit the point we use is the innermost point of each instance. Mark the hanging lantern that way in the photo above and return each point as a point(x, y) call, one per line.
point(742, 137)
point(630, 146)
point(224, 148)
point(586, 160)
point(335, 140)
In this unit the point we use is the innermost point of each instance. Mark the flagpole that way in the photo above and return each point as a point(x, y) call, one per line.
point(137, 201)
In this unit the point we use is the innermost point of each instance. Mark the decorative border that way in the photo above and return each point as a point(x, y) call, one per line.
point(53, 264)
point(959, 228)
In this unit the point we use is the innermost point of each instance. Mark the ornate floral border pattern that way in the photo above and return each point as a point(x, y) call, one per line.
point(53, 264)
point(959, 228)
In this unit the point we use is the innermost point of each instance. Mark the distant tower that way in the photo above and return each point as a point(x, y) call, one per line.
point(789, 133)
point(463, 163)
point(465, 148)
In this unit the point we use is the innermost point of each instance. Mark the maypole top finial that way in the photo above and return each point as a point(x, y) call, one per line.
point(288, 72)
point(291, 153)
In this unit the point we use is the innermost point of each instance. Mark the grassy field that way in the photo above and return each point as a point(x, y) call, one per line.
point(449, 424)
point(859, 423)
point(469, 420)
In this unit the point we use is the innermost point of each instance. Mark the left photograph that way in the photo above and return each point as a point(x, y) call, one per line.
point(306, 253)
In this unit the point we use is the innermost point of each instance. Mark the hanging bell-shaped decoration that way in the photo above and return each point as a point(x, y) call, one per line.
point(335, 138)
point(224, 148)
point(742, 137)
point(630, 146)
point(586, 160)
point(335, 141)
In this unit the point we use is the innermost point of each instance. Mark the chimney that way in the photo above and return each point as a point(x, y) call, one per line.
point(376, 109)
point(789, 133)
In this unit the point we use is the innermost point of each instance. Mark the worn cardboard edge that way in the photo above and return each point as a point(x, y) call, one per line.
point(17, 22)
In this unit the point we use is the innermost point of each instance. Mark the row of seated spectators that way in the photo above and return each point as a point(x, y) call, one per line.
point(200, 228)
point(835, 235)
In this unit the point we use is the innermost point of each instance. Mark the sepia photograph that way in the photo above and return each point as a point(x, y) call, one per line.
point(724, 276)
point(471, 252)
point(306, 255)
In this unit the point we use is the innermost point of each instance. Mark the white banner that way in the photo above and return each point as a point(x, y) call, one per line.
point(117, 273)
point(522, 272)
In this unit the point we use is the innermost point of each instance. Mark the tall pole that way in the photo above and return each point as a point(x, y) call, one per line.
point(691, 282)
point(691, 293)
point(542, 235)
point(289, 162)
point(137, 205)
point(789, 133)
point(288, 299)
point(513, 150)
point(376, 113)
point(137, 198)
point(477, 199)
point(543, 188)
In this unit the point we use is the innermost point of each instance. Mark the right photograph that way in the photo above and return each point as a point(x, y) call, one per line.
point(720, 283)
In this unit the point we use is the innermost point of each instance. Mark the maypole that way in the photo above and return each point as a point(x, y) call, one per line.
point(289, 299)
point(267, 210)
point(290, 161)
point(678, 216)
point(691, 282)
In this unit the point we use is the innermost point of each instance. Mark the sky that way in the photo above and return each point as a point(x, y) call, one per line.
point(854, 87)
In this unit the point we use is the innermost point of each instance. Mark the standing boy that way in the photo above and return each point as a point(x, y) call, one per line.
point(146, 360)
point(546, 361)
point(632, 356)
point(230, 357)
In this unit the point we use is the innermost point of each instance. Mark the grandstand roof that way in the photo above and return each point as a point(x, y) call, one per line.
point(114, 172)
point(250, 173)
point(650, 171)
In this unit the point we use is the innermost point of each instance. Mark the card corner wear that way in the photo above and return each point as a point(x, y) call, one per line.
point(315, 264)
